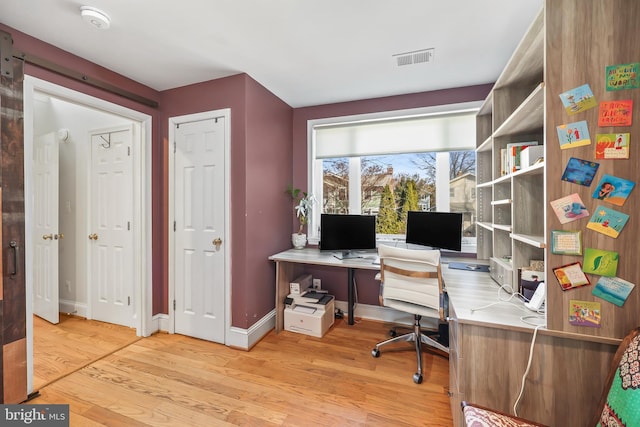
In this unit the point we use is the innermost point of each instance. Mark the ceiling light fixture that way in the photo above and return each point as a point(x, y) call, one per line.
point(95, 17)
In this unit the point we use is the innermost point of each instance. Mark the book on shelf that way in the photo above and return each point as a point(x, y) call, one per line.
point(513, 154)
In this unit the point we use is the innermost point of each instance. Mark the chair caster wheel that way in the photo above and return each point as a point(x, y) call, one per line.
point(375, 352)
point(417, 378)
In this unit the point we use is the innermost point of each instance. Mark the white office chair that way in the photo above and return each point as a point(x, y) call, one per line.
point(412, 282)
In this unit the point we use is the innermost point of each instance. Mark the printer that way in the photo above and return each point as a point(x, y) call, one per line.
point(310, 313)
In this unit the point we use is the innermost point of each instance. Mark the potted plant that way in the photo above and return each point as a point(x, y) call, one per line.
point(303, 205)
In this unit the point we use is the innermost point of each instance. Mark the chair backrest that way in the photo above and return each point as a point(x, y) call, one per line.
point(620, 402)
point(412, 276)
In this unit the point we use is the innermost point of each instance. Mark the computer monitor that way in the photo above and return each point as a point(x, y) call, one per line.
point(347, 235)
point(439, 230)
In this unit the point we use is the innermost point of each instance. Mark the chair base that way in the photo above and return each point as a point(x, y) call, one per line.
point(419, 338)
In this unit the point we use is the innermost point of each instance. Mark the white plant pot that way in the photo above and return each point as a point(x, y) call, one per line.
point(299, 240)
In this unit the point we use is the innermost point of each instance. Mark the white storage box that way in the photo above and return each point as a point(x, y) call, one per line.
point(530, 155)
point(309, 319)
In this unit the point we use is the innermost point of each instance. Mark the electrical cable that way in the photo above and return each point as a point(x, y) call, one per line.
point(524, 376)
point(500, 299)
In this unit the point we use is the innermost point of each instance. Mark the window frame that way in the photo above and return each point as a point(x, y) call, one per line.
point(314, 166)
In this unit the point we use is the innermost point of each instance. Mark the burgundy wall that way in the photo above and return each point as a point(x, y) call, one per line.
point(268, 151)
point(368, 289)
point(261, 162)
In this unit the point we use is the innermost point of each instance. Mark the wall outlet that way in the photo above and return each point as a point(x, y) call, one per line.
point(67, 285)
point(316, 284)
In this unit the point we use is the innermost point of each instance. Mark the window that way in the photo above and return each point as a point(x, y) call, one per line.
point(386, 166)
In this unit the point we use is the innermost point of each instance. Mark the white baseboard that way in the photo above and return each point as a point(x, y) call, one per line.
point(72, 307)
point(244, 339)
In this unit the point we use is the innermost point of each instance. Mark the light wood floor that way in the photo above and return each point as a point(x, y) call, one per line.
point(72, 344)
point(287, 379)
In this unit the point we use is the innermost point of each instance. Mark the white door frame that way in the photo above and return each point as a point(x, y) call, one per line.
point(173, 121)
point(142, 209)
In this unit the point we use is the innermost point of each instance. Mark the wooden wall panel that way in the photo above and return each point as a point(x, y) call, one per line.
point(582, 38)
point(13, 303)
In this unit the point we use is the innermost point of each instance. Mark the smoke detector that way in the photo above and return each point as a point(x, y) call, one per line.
point(95, 17)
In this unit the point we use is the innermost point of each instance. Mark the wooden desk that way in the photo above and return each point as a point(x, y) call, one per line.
point(290, 264)
point(489, 349)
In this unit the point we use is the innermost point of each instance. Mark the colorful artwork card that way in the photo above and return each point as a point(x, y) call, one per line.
point(584, 313)
point(607, 221)
point(614, 190)
point(573, 135)
point(566, 242)
point(580, 171)
point(613, 289)
point(578, 99)
point(612, 146)
point(600, 262)
point(615, 113)
point(569, 208)
point(623, 76)
point(571, 276)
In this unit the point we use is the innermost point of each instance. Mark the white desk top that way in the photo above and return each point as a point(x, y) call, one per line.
point(317, 257)
point(477, 299)
point(469, 292)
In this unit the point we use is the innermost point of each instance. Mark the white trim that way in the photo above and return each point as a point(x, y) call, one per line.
point(72, 307)
point(173, 121)
point(247, 338)
point(143, 279)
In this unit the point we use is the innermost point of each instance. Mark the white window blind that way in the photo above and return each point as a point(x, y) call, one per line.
point(441, 132)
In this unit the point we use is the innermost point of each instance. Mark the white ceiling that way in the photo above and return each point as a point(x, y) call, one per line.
point(307, 52)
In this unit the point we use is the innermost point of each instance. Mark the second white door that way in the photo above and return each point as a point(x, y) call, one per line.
point(110, 227)
point(200, 243)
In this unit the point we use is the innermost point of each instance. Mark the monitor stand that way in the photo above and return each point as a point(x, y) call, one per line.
point(347, 255)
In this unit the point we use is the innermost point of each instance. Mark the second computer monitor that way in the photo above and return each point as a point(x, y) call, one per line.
point(438, 230)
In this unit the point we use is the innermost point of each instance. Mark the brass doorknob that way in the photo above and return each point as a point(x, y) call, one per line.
point(47, 236)
point(217, 241)
point(59, 236)
point(93, 236)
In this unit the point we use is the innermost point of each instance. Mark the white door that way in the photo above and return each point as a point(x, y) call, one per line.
point(199, 208)
point(45, 227)
point(110, 228)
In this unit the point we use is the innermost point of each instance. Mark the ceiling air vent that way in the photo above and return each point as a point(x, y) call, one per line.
point(415, 57)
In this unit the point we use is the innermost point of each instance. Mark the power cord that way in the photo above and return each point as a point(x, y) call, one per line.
point(524, 376)
point(505, 287)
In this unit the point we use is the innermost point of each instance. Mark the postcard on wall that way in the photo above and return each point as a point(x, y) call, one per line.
point(600, 262)
point(573, 135)
point(612, 146)
point(580, 171)
point(584, 313)
point(571, 276)
point(607, 221)
point(613, 289)
point(566, 242)
point(578, 99)
point(615, 113)
point(614, 190)
point(569, 208)
point(623, 76)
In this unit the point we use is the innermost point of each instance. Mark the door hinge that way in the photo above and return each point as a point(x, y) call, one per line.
point(174, 147)
point(174, 305)
point(128, 300)
point(174, 226)
point(128, 225)
point(128, 151)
